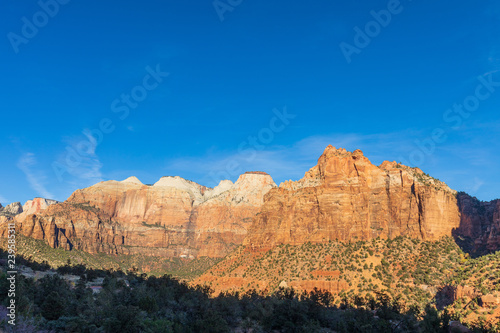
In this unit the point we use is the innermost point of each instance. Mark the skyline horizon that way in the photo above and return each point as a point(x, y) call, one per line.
point(97, 91)
point(236, 177)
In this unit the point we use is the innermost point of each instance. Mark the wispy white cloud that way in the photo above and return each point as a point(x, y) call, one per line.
point(79, 164)
point(4, 200)
point(35, 177)
point(476, 185)
point(281, 162)
point(463, 163)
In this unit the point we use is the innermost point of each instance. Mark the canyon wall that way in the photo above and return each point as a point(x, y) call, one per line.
point(480, 221)
point(172, 218)
point(345, 197)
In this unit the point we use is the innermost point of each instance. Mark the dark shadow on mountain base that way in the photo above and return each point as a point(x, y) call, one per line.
point(137, 303)
point(479, 230)
point(467, 244)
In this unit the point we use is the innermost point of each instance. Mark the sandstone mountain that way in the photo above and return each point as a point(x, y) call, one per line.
point(30, 207)
point(480, 221)
point(35, 206)
point(344, 197)
point(11, 209)
point(172, 218)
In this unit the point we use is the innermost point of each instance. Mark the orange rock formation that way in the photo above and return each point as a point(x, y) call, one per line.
point(172, 218)
point(346, 197)
point(343, 197)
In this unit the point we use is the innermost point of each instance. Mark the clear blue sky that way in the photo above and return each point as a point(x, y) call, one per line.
point(228, 68)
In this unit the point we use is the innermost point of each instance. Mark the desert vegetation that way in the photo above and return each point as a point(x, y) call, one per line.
point(396, 285)
point(34, 251)
point(137, 303)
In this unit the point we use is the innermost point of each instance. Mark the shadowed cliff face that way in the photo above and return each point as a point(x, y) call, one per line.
point(479, 221)
point(346, 197)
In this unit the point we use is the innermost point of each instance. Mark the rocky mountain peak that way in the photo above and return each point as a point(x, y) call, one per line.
point(196, 191)
point(11, 209)
point(344, 197)
point(347, 197)
point(224, 185)
point(37, 204)
point(133, 180)
point(34, 206)
point(250, 180)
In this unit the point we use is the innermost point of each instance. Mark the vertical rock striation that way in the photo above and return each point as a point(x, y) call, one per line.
point(346, 197)
point(172, 218)
point(480, 221)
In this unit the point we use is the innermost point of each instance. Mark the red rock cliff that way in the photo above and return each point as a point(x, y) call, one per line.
point(343, 197)
point(172, 218)
point(346, 197)
point(480, 221)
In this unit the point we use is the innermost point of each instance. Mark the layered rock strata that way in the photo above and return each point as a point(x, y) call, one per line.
point(345, 197)
point(172, 218)
point(479, 220)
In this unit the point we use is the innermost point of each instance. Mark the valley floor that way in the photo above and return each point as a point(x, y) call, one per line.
point(399, 283)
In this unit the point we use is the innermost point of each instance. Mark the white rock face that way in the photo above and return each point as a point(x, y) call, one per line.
point(195, 190)
point(12, 209)
point(224, 185)
point(36, 205)
point(119, 185)
point(173, 217)
point(249, 189)
point(132, 180)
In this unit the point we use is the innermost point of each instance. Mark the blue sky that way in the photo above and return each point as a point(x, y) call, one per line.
point(102, 90)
